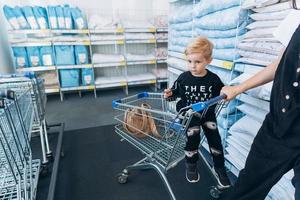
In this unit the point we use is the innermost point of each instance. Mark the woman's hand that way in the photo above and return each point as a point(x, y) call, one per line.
point(231, 91)
point(167, 93)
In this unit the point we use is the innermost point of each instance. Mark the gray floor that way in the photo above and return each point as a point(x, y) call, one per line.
point(87, 111)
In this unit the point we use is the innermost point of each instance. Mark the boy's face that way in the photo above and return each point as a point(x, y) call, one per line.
point(197, 64)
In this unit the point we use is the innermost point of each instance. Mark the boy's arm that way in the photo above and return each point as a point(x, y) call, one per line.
point(264, 76)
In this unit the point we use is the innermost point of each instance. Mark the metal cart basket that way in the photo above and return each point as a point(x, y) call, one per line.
point(163, 143)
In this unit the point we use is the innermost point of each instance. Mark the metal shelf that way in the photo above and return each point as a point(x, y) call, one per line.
point(163, 80)
point(75, 66)
point(29, 31)
point(36, 69)
point(150, 62)
point(107, 82)
point(85, 42)
point(161, 60)
point(82, 31)
point(162, 40)
point(151, 41)
point(109, 30)
point(51, 90)
point(116, 64)
point(140, 30)
point(162, 29)
point(89, 87)
point(108, 42)
point(31, 44)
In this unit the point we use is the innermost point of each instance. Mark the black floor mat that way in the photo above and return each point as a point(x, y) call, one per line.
point(93, 158)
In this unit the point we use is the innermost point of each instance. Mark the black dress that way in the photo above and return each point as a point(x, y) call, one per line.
point(276, 148)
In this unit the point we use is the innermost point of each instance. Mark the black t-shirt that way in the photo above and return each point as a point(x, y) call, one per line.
point(192, 89)
point(284, 116)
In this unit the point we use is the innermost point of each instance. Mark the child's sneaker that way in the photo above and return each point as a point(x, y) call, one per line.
point(222, 177)
point(192, 175)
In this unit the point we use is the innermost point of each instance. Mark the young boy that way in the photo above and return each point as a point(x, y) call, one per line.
point(196, 85)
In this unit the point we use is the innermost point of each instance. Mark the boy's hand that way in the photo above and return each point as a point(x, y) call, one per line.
point(167, 93)
point(231, 92)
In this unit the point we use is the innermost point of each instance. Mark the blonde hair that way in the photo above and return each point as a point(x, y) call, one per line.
point(200, 45)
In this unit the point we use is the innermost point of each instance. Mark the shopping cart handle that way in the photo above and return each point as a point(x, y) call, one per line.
point(198, 107)
point(8, 94)
point(115, 103)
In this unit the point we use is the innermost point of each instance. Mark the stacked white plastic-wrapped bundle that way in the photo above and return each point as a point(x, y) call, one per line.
point(221, 23)
point(259, 45)
point(181, 23)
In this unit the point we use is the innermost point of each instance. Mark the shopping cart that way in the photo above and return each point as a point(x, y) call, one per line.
point(19, 82)
point(165, 151)
point(18, 172)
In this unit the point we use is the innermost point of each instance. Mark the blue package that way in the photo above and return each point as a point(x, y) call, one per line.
point(64, 55)
point(69, 77)
point(33, 54)
point(52, 17)
point(47, 56)
point(60, 17)
point(87, 76)
point(68, 17)
point(20, 57)
point(28, 12)
point(21, 18)
point(10, 16)
point(81, 54)
point(40, 14)
point(78, 18)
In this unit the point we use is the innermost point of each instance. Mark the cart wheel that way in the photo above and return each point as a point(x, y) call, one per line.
point(215, 192)
point(50, 157)
point(44, 170)
point(122, 178)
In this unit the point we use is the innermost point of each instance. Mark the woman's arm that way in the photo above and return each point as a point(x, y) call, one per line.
point(264, 76)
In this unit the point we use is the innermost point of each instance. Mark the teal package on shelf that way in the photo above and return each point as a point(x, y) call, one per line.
point(68, 17)
point(87, 77)
point(33, 54)
point(69, 77)
point(47, 56)
point(52, 17)
point(20, 57)
point(81, 54)
point(64, 55)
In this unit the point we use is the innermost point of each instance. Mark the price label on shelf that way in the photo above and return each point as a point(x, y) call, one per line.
point(90, 87)
point(152, 61)
point(123, 83)
point(227, 64)
point(119, 30)
point(86, 42)
point(85, 31)
point(120, 41)
point(152, 81)
point(122, 62)
point(152, 40)
point(152, 30)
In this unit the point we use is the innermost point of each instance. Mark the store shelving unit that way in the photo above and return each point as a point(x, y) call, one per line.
point(106, 75)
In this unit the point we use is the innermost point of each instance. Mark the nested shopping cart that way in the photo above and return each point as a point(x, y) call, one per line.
point(18, 172)
point(19, 82)
point(162, 145)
